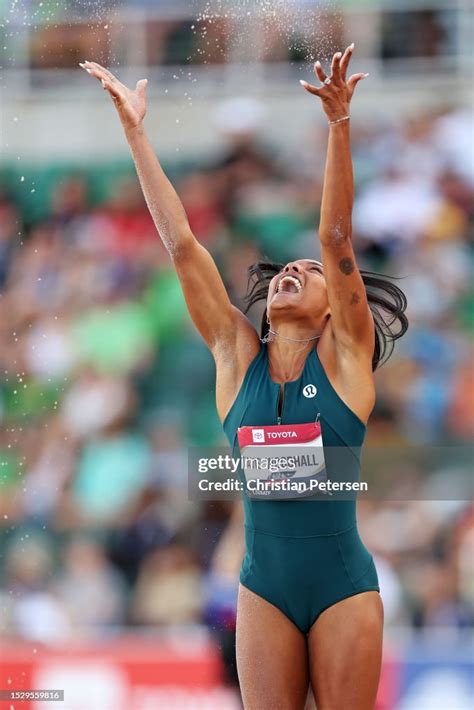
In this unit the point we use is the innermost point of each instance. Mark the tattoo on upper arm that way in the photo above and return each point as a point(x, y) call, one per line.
point(346, 265)
point(355, 298)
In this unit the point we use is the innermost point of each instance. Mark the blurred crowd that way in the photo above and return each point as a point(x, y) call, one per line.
point(105, 384)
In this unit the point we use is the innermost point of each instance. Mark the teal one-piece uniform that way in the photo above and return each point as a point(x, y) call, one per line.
point(302, 556)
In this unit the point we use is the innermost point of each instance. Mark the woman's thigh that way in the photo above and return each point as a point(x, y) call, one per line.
point(272, 660)
point(345, 653)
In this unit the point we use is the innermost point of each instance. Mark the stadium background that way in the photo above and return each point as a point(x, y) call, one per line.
point(113, 584)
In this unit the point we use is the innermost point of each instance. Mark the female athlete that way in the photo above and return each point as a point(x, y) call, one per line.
point(309, 609)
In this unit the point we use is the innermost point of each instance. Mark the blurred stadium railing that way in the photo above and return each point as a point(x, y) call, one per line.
point(196, 53)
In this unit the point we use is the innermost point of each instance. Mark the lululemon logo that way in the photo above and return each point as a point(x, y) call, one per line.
point(309, 391)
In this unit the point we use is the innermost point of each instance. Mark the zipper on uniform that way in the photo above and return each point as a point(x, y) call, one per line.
point(281, 400)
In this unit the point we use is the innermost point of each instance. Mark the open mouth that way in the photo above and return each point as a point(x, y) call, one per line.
point(289, 284)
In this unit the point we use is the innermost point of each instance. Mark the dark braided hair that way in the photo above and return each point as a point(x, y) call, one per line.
point(386, 301)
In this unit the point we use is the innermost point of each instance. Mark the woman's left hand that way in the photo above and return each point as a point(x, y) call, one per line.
point(336, 92)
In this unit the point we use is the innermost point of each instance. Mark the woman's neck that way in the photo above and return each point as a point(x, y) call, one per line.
point(287, 359)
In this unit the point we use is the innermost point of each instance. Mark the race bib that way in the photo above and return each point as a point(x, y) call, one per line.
point(282, 462)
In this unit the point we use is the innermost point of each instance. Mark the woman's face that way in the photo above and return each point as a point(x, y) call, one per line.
point(299, 290)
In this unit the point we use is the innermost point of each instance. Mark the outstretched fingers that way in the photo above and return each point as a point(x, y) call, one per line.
point(105, 73)
point(140, 87)
point(346, 58)
point(94, 70)
point(322, 76)
point(338, 67)
point(310, 88)
point(319, 71)
point(106, 78)
point(335, 90)
point(353, 81)
point(335, 68)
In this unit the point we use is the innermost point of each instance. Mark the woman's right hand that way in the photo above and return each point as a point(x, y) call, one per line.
point(130, 105)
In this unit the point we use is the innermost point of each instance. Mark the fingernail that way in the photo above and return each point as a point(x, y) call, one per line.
point(318, 63)
point(366, 75)
point(351, 46)
point(338, 55)
point(303, 83)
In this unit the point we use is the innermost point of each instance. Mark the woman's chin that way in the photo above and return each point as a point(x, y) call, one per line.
point(284, 301)
point(285, 297)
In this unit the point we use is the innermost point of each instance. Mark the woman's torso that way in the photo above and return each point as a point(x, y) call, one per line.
point(306, 399)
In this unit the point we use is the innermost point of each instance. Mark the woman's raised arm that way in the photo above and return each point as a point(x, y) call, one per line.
point(351, 318)
point(209, 306)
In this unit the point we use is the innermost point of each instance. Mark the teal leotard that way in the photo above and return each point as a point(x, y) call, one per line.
point(302, 556)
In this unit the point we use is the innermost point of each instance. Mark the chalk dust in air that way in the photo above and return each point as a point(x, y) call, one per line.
point(302, 30)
